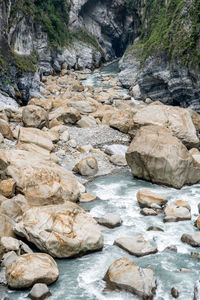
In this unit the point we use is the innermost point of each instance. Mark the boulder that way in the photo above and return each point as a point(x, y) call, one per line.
point(87, 166)
point(110, 220)
point(176, 119)
point(5, 130)
point(7, 187)
point(178, 210)
point(150, 199)
point(8, 244)
point(45, 103)
point(137, 246)
point(29, 269)
point(192, 239)
point(118, 160)
point(121, 120)
point(60, 230)
point(42, 182)
point(86, 197)
point(158, 156)
point(39, 291)
point(66, 115)
point(35, 116)
point(36, 137)
point(87, 121)
point(126, 275)
point(6, 228)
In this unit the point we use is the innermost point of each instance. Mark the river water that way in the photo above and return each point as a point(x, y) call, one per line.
point(81, 278)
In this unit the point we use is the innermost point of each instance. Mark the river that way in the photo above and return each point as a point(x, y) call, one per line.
point(81, 278)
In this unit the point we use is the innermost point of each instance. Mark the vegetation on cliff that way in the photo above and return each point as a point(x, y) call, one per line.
point(171, 27)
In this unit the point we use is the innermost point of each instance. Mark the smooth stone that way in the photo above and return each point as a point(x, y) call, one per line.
point(87, 166)
point(118, 160)
point(171, 248)
point(125, 275)
point(178, 210)
point(137, 246)
point(116, 149)
point(86, 197)
point(109, 220)
point(148, 198)
point(29, 269)
point(61, 230)
point(9, 258)
point(174, 292)
point(184, 270)
point(192, 239)
point(39, 291)
point(148, 212)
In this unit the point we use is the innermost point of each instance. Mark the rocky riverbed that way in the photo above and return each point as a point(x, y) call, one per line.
point(69, 135)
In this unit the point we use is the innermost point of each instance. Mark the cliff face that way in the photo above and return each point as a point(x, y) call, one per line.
point(39, 38)
point(165, 59)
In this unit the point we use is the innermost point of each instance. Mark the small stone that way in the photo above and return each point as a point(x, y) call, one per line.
point(65, 136)
point(195, 255)
point(178, 210)
point(147, 198)
point(153, 228)
point(192, 239)
point(174, 292)
point(85, 149)
point(137, 246)
point(184, 270)
point(7, 187)
point(72, 143)
point(148, 101)
point(87, 166)
point(110, 220)
point(39, 291)
point(86, 197)
point(148, 212)
point(171, 248)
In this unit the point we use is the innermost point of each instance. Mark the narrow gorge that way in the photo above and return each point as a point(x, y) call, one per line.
point(99, 149)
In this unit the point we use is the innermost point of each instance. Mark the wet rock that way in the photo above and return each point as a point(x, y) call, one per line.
point(35, 116)
point(87, 166)
point(27, 270)
point(154, 228)
point(195, 255)
point(7, 187)
point(197, 290)
point(150, 199)
point(177, 211)
point(118, 160)
point(192, 239)
point(148, 212)
point(86, 197)
point(61, 230)
point(109, 220)
point(39, 291)
point(124, 274)
point(168, 151)
point(174, 292)
point(171, 248)
point(42, 182)
point(137, 246)
point(197, 222)
point(184, 270)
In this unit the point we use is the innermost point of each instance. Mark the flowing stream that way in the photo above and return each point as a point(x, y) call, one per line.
point(81, 278)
